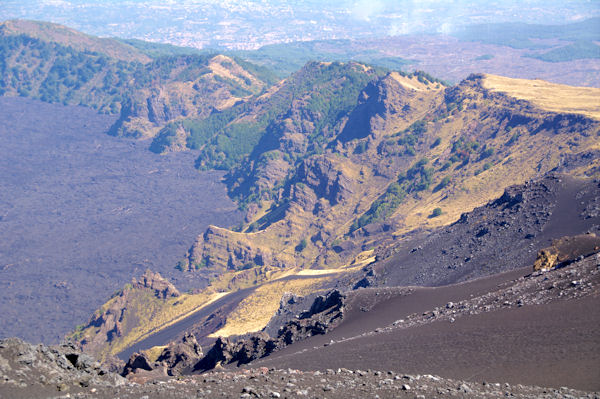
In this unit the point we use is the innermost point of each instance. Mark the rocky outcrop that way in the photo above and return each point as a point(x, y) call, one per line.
point(390, 98)
point(326, 179)
point(566, 250)
point(177, 358)
point(137, 362)
point(108, 323)
point(324, 314)
point(148, 110)
point(154, 281)
point(50, 368)
point(369, 280)
point(180, 356)
point(219, 250)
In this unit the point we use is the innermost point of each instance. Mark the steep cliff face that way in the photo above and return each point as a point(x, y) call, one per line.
point(387, 102)
point(407, 148)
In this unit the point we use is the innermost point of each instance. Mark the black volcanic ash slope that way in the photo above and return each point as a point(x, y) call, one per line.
point(503, 235)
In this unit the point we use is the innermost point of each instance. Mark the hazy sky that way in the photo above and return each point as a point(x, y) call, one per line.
point(223, 22)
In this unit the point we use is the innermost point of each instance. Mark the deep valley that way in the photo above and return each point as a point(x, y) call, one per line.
point(299, 220)
point(81, 213)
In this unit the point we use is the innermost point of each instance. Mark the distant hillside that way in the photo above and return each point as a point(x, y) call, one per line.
point(174, 88)
point(578, 50)
point(287, 58)
point(226, 138)
point(155, 50)
point(58, 34)
point(521, 35)
point(410, 155)
point(59, 65)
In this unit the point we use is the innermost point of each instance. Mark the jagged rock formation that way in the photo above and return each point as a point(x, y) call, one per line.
point(325, 313)
point(137, 362)
point(154, 281)
point(180, 356)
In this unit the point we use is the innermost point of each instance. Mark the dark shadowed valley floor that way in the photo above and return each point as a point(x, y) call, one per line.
point(82, 212)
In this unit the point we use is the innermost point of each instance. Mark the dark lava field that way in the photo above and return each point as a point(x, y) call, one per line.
point(81, 212)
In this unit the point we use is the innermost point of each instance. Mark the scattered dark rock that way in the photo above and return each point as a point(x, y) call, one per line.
point(137, 361)
point(324, 314)
point(489, 239)
point(177, 358)
point(49, 369)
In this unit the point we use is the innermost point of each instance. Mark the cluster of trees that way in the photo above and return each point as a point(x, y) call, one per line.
point(462, 149)
point(59, 74)
point(332, 91)
point(382, 208)
point(417, 178)
point(410, 136)
point(575, 51)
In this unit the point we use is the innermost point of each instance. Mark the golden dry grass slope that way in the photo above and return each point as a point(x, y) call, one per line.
point(134, 314)
point(549, 96)
point(254, 312)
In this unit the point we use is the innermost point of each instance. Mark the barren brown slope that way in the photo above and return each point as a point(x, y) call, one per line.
point(521, 346)
point(504, 234)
